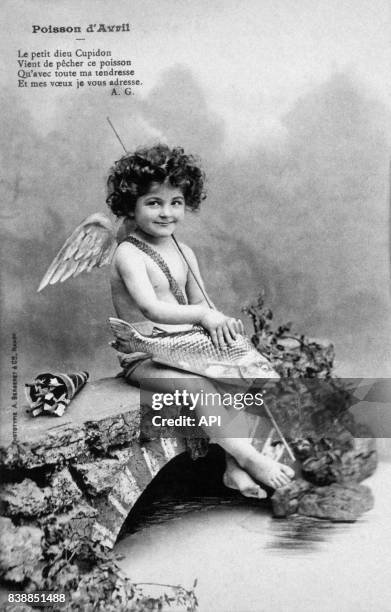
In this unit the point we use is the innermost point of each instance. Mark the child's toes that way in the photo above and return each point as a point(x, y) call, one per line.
point(288, 471)
point(282, 479)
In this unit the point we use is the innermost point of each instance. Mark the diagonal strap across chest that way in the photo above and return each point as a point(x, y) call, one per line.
point(158, 259)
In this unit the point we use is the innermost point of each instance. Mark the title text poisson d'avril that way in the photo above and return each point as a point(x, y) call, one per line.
point(91, 28)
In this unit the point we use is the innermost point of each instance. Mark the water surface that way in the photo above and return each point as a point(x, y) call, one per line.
point(246, 561)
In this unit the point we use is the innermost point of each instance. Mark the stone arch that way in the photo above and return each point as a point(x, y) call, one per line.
point(115, 484)
point(88, 468)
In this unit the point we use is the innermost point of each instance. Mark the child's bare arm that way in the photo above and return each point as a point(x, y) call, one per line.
point(130, 265)
point(195, 296)
point(193, 292)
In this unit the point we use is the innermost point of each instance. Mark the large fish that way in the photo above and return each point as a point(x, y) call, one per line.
point(194, 351)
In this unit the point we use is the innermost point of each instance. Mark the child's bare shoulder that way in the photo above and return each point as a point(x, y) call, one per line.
point(127, 256)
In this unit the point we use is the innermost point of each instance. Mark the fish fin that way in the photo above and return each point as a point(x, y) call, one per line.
point(158, 331)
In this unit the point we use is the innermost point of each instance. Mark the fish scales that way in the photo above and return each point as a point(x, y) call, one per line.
point(195, 346)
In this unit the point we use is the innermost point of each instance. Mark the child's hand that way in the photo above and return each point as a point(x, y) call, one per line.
point(223, 330)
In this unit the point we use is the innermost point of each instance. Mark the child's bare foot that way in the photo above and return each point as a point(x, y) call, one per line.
point(266, 470)
point(236, 478)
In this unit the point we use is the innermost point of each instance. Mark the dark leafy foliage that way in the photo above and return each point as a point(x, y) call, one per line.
point(310, 404)
point(88, 573)
point(293, 355)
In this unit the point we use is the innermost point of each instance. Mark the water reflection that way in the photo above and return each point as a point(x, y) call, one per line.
point(167, 509)
point(246, 560)
point(299, 533)
point(190, 489)
point(295, 533)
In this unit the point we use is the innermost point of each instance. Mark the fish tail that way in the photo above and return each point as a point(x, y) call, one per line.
point(126, 335)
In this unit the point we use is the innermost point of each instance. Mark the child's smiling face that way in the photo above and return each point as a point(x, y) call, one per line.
point(158, 212)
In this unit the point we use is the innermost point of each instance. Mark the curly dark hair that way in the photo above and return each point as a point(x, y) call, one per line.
point(132, 175)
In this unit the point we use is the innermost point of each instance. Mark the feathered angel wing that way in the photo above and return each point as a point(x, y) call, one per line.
point(91, 245)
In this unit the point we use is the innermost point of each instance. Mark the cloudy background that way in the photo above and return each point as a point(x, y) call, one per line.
point(286, 102)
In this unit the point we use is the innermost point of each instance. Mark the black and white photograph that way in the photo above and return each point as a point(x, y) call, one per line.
point(195, 306)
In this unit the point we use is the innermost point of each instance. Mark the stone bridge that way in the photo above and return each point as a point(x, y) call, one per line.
point(87, 467)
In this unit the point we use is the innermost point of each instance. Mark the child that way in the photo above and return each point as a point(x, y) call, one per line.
point(151, 189)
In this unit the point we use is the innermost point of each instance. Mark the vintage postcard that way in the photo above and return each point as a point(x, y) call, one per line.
point(255, 135)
